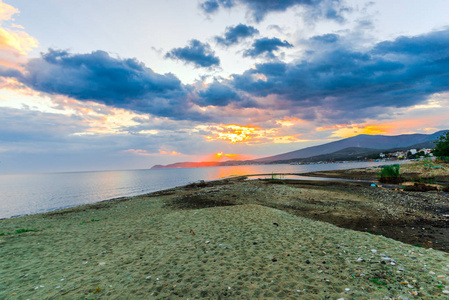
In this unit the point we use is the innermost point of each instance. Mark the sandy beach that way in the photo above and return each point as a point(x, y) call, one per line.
point(236, 239)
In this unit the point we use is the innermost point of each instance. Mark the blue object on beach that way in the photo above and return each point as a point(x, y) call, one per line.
point(373, 185)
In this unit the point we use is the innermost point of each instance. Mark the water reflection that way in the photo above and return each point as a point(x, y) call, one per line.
point(34, 193)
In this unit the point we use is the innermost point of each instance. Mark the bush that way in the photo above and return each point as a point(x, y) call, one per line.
point(390, 174)
point(442, 146)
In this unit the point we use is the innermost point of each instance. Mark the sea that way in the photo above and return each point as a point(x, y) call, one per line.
point(23, 194)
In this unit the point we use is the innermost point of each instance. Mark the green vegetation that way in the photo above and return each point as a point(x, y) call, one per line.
point(19, 231)
point(2, 233)
point(416, 155)
point(442, 146)
point(390, 174)
point(276, 178)
point(85, 222)
point(97, 290)
point(378, 281)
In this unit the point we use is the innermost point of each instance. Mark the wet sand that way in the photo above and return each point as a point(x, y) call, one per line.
point(234, 239)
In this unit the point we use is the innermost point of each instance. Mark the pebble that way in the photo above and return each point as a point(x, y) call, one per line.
point(207, 242)
point(347, 289)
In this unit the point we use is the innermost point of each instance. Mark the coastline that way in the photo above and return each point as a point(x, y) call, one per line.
point(29, 194)
point(225, 239)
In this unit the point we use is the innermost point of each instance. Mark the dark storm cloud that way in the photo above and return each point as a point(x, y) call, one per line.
point(234, 34)
point(98, 77)
point(197, 53)
point(217, 94)
point(266, 46)
point(432, 45)
point(335, 82)
point(398, 73)
point(315, 9)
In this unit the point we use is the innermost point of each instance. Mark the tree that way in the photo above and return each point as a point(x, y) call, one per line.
point(442, 145)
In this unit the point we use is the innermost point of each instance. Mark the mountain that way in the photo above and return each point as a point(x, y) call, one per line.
point(204, 164)
point(354, 153)
point(353, 148)
point(188, 165)
point(380, 142)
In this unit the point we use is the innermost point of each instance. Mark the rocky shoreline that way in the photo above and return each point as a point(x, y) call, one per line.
point(235, 238)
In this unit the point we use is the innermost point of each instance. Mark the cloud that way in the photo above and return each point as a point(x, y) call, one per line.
point(314, 9)
point(432, 45)
point(217, 94)
point(211, 6)
point(326, 38)
point(326, 9)
point(98, 77)
point(334, 84)
point(233, 133)
point(266, 46)
point(14, 42)
point(142, 152)
point(346, 84)
point(199, 54)
point(234, 34)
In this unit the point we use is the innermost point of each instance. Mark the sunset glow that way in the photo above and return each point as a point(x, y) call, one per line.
point(234, 133)
point(255, 81)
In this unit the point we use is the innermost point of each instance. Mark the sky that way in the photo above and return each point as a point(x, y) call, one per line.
point(111, 85)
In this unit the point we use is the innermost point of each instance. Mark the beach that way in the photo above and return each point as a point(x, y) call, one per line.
point(234, 238)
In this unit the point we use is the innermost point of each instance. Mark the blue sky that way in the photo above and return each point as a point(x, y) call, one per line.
point(95, 85)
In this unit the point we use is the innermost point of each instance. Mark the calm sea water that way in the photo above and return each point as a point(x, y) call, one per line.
point(36, 193)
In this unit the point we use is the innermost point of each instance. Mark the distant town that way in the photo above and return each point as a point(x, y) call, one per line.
point(409, 154)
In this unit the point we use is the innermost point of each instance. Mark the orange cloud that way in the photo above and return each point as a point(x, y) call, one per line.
point(234, 133)
point(248, 134)
point(289, 122)
point(146, 153)
point(173, 153)
point(417, 124)
point(14, 42)
point(354, 130)
point(138, 152)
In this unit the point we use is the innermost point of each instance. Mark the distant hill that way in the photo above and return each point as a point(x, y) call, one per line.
point(353, 148)
point(354, 153)
point(360, 141)
point(188, 165)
